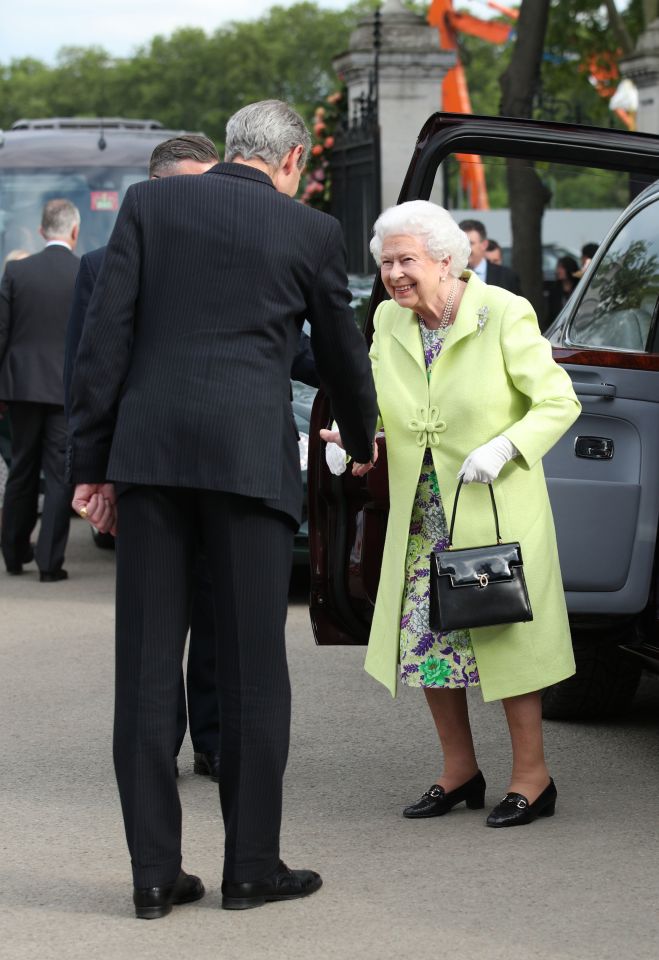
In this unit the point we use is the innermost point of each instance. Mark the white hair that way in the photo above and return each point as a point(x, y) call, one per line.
point(58, 218)
point(268, 130)
point(432, 224)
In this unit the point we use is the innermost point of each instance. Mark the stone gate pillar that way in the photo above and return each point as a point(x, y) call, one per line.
point(408, 78)
point(642, 67)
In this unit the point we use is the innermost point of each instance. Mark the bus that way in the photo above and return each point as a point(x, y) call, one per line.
point(91, 162)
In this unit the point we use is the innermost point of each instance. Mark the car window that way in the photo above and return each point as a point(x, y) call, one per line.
point(617, 308)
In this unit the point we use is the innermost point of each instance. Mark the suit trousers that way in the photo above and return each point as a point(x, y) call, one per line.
point(249, 550)
point(38, 442)
point(202, 712)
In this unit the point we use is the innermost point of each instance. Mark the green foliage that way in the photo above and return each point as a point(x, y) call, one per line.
point(191, 80)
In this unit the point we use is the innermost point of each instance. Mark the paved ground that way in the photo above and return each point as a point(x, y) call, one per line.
point(581, 885)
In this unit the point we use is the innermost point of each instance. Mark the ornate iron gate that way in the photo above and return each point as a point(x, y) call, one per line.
point(355, 172)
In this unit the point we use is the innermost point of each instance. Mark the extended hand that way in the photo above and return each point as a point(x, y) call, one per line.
point(485, 463)
point(96, 502)
point(335, 456)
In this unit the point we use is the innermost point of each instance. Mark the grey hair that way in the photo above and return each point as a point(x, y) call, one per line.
point(58, 219)
point(267, 130)
point(432, 224)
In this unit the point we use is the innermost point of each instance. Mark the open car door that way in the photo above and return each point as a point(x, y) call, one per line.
point(603, 476)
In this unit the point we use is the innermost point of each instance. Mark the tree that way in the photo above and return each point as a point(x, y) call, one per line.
point(527, 194)
point(191, 80)
point(545, 74)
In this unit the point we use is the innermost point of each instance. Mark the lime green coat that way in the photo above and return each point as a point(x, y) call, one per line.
point(500, 379)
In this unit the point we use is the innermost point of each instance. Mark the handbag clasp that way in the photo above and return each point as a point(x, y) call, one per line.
point(483, 579)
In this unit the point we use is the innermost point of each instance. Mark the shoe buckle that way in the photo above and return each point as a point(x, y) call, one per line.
point(521, 804)
point(435, 791)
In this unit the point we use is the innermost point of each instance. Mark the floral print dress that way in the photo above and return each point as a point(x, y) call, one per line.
point(429, 659)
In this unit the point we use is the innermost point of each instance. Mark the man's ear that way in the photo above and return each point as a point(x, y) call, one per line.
point(41, 233)
point(292, 158)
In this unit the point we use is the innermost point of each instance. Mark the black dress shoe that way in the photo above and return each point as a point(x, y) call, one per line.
point(282, 884)
point(53, 576)
point(515, 810)
point(208, 765)
point(154, 902)
point(436, 801)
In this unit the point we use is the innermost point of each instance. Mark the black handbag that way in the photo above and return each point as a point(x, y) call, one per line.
point(477, 586)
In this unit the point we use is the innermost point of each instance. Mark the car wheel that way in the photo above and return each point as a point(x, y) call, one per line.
point(604, 684)
point(104, 541)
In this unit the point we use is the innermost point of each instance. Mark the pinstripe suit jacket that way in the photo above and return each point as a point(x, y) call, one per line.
point(182, 373)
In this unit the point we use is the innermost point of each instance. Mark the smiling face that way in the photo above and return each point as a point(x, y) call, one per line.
point(410, 276)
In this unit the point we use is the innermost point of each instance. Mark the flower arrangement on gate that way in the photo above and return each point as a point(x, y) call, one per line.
point(318, 182)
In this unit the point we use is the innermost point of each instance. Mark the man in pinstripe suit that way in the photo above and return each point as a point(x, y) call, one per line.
point(181, 427)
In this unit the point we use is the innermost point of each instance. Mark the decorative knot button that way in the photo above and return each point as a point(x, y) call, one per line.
point(427, 426)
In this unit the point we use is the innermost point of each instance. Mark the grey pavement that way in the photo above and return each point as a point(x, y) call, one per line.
point(578, 886)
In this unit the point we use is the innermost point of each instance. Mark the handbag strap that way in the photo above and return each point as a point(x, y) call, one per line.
point(455, 507)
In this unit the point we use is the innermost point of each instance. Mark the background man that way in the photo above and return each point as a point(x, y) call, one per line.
point(35, 301)
point(493, 252)
point(181, 394)
point(187, 154)
point(488, 272)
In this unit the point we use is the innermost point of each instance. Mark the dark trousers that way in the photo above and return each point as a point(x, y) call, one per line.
point(202, 712)
point(38, 432)
point(249, 552)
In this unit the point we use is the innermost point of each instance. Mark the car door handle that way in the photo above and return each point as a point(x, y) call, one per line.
point(594, 448)
point(594, 389)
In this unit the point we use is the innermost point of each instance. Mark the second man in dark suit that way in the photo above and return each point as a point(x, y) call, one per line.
point(188, 154)
point(181, 393)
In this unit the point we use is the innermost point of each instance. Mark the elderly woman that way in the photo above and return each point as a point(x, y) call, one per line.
point(467, 387)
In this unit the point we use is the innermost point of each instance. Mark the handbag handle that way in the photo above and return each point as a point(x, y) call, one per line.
point(455, 507)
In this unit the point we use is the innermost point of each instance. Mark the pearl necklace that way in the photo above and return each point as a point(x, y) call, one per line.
point(448, 307)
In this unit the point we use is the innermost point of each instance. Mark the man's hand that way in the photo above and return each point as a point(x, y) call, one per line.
point(335, 455)
point(96, 502)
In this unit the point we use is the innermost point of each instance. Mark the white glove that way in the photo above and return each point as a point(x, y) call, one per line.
point(485, 463)
point(336, 458)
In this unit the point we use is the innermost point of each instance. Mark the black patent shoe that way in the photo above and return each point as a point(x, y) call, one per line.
point(515, 810)
point(281, 884)
point(436, 801)
point(207, 765)
point(154, 902)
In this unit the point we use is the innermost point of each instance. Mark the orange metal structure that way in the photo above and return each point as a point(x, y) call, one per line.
point(455, 94)
point(604, 75)
point(602, 70)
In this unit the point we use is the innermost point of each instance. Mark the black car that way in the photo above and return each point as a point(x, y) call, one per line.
point(603, 476)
